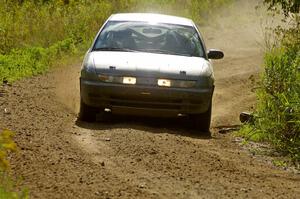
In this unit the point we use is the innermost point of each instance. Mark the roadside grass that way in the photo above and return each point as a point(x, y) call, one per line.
point(26, 62)
point(277, 116)
point(8, 188)
point(34, 35)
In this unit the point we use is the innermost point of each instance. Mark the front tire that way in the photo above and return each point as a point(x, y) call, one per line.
point(87, 113)
point(202, 121)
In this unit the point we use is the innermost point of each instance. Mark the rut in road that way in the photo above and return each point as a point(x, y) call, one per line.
point(61, 157)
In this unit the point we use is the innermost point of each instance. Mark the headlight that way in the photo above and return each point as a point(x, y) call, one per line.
point(129, 80)
point(160, 82)
point(110, 79)
point(117, 79)
point(164, 82)
point(176, 83)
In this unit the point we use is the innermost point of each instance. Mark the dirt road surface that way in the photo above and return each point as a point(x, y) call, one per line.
point(60, 157)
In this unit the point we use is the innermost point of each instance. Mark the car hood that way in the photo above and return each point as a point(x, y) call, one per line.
point(151, 63)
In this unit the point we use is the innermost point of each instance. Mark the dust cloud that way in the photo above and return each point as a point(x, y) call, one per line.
point(67, 86)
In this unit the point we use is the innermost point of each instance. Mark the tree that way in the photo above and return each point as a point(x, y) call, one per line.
point(287, 6)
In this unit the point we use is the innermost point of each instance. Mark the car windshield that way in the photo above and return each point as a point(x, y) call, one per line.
point(146, 37)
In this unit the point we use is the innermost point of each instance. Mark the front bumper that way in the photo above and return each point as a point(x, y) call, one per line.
point(145, 100)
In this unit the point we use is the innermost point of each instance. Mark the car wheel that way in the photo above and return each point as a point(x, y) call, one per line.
point(202, 121)
point(87, 113)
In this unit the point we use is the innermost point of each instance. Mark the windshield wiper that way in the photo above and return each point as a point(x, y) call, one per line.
point(114, 49)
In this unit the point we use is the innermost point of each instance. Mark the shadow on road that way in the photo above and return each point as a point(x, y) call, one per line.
point(177, 126)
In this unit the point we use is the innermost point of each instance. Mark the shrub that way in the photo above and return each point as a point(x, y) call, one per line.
point(278, 111)
point(277, 117)
point(6, 144)
point(31, 61)
point(6, 184)
point(42, 23)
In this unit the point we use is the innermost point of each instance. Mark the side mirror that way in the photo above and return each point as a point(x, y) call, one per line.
point(215, 54)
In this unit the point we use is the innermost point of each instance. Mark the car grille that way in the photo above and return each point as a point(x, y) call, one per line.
point(150, 103)
point(147, 81)
point(146, 105)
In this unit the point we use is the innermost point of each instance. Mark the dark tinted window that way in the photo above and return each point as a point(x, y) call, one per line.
point(147, 37)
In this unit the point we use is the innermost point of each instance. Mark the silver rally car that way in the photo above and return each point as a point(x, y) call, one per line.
point(149, 65)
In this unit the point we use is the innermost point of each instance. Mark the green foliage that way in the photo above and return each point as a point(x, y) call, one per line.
point(287, 6)
point(249, 132)
point(279, 163)
point(7, 190)
point(198, 10)
point(6, 144)
point(32, 60)
point(277, 117)
point(291, 15)
point(7, 186)
point(279, 100)
point(44, 22)
point(36, 24)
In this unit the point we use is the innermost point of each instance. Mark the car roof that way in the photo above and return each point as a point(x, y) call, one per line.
point(152, 18)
